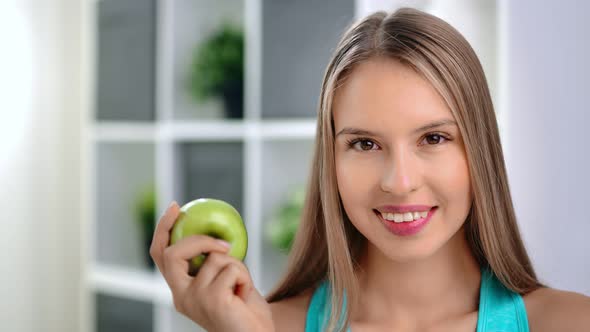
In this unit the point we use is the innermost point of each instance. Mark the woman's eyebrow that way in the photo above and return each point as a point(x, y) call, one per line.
point(432, 125)
point(436, 124)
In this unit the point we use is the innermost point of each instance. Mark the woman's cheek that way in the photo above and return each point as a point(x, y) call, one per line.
point(354, 182)
point(348, 177)
point(455, 180)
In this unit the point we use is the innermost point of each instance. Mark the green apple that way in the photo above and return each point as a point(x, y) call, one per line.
point(215, 218)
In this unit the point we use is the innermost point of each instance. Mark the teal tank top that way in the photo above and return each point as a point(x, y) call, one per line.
point(500, 309)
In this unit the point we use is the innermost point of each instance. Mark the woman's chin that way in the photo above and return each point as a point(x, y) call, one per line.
point(407, 253)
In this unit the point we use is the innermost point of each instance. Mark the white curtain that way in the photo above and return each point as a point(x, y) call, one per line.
point(39, 165)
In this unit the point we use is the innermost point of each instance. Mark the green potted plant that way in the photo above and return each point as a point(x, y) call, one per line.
point(217, 69)
point(145, 216)
point(282, 226)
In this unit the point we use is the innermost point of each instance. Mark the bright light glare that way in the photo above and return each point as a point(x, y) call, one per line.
point(16, 79)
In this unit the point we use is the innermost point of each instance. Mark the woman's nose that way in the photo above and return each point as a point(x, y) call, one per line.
point(399, 175)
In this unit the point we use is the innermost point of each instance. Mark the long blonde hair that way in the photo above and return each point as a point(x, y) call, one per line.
point(327, 245)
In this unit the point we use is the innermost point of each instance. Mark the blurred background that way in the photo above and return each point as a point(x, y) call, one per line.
point(111, 109)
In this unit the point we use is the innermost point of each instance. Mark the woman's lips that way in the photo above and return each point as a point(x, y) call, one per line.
point(407, 227)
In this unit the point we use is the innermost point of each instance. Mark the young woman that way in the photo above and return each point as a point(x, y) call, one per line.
point(408, 222)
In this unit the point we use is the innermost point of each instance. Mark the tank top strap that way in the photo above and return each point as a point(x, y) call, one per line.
point(314, 320)
point(319, 309)
point(500, 309)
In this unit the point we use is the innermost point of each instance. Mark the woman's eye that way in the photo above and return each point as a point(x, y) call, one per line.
point(364, 144)
point(434, 139)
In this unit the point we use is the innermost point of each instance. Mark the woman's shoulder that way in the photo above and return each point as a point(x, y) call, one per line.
point(550, 309)
point(290, 314)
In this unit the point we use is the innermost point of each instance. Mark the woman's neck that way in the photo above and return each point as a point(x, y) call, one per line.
point(417, 293)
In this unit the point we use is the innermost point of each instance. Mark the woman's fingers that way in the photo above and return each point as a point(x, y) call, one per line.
point(230, 277)
point(176, 258)
point(162, 234)
point(212, 266)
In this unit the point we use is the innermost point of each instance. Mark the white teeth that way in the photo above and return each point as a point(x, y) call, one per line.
point(404, 217)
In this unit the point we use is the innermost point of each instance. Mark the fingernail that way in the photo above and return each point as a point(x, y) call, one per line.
point(224, 243)
point(172, 204)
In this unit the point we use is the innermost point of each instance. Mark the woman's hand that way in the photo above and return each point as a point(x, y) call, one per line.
point(221, 297)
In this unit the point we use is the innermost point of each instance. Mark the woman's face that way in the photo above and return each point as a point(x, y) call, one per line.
point(396, 163)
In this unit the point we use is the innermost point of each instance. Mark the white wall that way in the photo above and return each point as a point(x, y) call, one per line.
point(39, 165)
point(548, 152)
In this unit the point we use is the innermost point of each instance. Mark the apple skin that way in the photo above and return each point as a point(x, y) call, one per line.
point(215, 218)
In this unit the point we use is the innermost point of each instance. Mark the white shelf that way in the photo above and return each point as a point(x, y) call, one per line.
point(208, 130)
point(288, 129)
point(129, 283)
point(105, 131)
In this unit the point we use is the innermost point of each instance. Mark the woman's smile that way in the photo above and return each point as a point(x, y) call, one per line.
point(411, 223)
